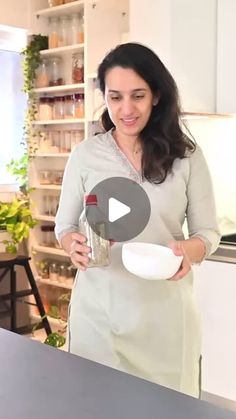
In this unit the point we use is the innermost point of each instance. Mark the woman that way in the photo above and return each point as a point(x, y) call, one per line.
point(147, 328)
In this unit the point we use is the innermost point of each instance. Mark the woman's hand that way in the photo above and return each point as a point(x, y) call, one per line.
point(179, 250)
point(79, 251)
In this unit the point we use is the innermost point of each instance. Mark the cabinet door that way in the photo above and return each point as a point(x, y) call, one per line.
point(226, 57)
point(183, 34)
point(215, 287)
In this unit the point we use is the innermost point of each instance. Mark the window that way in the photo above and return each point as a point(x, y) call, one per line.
point(12, 99)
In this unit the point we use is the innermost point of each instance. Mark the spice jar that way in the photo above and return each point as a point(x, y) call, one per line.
point(56, 78)
point(42, 74)
point(45, 109)
point(77, 68)
point(45, 142)
point(79, 105)
point(53, 272)
point(53, 35)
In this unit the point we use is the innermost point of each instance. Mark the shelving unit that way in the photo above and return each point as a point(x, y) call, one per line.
point(61, 89)
point(104, 23)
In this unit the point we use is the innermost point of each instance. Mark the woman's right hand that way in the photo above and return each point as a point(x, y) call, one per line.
point(79, 251)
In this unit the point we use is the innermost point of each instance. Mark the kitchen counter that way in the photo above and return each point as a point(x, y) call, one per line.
point(37, 381)
point(224, 253)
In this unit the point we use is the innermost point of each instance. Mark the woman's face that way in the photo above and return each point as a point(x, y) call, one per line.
point(129, 100)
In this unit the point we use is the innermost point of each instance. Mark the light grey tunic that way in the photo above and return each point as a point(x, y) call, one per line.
point(146, 328)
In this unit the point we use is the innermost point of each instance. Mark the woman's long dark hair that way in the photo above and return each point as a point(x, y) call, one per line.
point(162, 138)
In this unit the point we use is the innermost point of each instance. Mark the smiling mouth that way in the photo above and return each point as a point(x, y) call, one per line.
point(129, 121)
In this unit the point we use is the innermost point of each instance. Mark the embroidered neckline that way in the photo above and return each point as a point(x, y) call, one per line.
point(134, 174)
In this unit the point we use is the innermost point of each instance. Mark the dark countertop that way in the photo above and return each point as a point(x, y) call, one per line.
point(225, 253)
point(37, 381)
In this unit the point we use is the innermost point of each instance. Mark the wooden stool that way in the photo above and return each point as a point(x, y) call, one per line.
point(8, 263)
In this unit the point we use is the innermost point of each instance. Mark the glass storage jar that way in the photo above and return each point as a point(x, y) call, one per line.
point(77, 68)
point(56, 78)
point(53, 32)
point(79, 105)
point(69, 107)
point(53, 271)
point(58, 108)
point(53, 3)
point(45, 177)
point(75, 29)
point(81, 29)
point(45, 109)
point(42, 74)
point(64, 31)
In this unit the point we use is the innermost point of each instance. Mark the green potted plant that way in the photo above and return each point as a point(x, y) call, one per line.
point(16, 220)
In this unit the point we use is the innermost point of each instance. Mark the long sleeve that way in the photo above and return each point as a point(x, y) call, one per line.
point(201, 210)
point(71, 199)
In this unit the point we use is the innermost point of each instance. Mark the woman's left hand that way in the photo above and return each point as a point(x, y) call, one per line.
point(179, 250)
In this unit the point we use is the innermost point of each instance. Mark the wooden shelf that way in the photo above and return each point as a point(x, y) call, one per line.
point(41, 217)
point(50, 250)
point(68, 8)
point(49, 187)
point(59, 121)
point(62, 50)
point(47, 281)
point(52, 155)
point(59, 89)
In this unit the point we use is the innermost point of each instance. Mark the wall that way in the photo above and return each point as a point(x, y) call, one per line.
point(216, 136)
point(14, 13)
point(183, 34)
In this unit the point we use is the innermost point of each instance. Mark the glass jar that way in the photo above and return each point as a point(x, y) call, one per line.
point(69, 107)
point(42, 74)
point(43, 268)
point(77, 68)
point(53, 272)
point(45, 142)
point(45, 109)
point(79, 105)
point(53, 3)
point(47, 235)
point(56, 78)
point(53, 34)
point(75, 23)
point(64, 31)
point(81, 29)
point(79, 136)
point(56, 141)
point(62, 276)
point(45, 177)
point(100, 248)
point(70, 276)
point(57, 177)
point(58, 108)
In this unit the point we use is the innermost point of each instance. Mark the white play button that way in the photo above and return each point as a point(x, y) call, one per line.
point(117, 209)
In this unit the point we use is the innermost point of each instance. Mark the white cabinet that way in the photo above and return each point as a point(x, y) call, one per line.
point(183, 34)
point(226, 56)
point(215, 287)
point(104, 23)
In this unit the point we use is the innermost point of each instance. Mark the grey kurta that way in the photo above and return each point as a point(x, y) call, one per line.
point(146, 328)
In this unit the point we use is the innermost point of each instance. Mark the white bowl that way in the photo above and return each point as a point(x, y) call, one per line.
point(150, 261)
